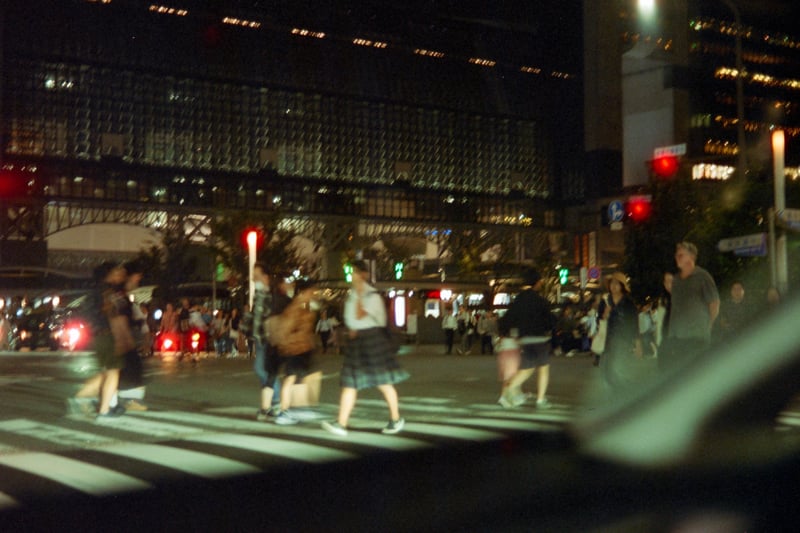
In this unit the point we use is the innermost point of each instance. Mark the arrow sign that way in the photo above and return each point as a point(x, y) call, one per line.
point(616, 211)
point(747, 245)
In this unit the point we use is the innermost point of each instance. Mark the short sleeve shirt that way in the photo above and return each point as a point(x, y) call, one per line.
point(689, 314)
point(373, 304)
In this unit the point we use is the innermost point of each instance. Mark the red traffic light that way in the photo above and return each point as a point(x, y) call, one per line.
point(639, 208)
point(665, 166)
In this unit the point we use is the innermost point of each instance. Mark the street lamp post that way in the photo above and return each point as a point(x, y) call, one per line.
point(778, 259)
point(252, 238)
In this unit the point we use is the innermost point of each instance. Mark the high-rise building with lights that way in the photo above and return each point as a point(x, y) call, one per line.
point(667, 79)
point(129, 101)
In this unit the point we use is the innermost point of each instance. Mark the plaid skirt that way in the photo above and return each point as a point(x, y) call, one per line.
point(370, 360)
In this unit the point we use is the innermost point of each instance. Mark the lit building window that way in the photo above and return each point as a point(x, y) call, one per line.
point(428, 53)
point(482, 62)
point(308, 33)
point(233, 21)
point(166, 10)
point(368, 43)
point(705, 171)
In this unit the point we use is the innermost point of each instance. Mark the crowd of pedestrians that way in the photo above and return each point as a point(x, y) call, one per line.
point(284, 327)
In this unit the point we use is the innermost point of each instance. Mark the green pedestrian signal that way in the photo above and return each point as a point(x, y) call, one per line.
point(563, 274)
point(398, 270)
point(348, 273)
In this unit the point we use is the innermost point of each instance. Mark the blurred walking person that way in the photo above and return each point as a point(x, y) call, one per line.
point(370, 358)
point(111, 339)
point(132, 387)
point(295, 343)
point(265, 363)
point(529, 320)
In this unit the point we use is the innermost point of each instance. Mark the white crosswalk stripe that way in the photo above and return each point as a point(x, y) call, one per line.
point(378, 440)
point(79, 475)
point(187, 461)
point(289, 449)
point(789, 418)
point(227, 441)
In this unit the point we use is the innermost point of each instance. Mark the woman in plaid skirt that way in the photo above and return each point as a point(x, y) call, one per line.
point(369, 359)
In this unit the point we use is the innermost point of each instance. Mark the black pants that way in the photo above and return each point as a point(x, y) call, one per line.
point(132, 373)
point(449, 337)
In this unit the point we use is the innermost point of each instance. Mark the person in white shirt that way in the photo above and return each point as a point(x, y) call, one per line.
point(449, 326)
point(370, 359)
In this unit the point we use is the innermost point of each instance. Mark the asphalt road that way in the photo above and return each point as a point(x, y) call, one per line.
point(201, 420)
point(198, 459)
point(37, 383)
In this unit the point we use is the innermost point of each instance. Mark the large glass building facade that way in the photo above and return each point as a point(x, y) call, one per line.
point(226, 89)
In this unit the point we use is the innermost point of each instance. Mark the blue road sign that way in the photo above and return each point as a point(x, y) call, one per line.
point(616, 211)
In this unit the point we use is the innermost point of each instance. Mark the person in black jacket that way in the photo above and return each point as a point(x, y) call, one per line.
point(623, 344)
point(529, 319)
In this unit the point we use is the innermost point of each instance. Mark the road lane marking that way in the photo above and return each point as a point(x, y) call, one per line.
point(299, 451)
point(81, 476)
point(188, 461)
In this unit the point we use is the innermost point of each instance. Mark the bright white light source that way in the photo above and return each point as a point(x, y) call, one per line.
point(647, 8)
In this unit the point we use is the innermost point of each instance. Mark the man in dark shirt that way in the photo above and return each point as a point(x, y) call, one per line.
point(734, 314)
point(693, 310)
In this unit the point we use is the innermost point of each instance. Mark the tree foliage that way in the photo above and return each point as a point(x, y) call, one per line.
point(702, 213)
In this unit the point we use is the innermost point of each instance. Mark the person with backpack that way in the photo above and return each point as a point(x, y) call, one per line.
point(370, 356)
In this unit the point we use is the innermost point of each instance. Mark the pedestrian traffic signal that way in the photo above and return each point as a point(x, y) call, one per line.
point(398, 270)
point(665, 166)
point(563, 275)
point(638, 208)
point(348, 273)
point(252, 237)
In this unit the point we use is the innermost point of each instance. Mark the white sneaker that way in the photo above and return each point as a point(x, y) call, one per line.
point(285, 419)
point(520, 398)
point(543, 404)
point(335, 427)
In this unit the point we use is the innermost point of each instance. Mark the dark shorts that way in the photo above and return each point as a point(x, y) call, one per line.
point(370, 361)
point(534, 355)
point(295, 365)
point(103, 348)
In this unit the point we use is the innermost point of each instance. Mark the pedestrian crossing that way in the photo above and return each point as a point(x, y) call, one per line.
point(141, 450)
